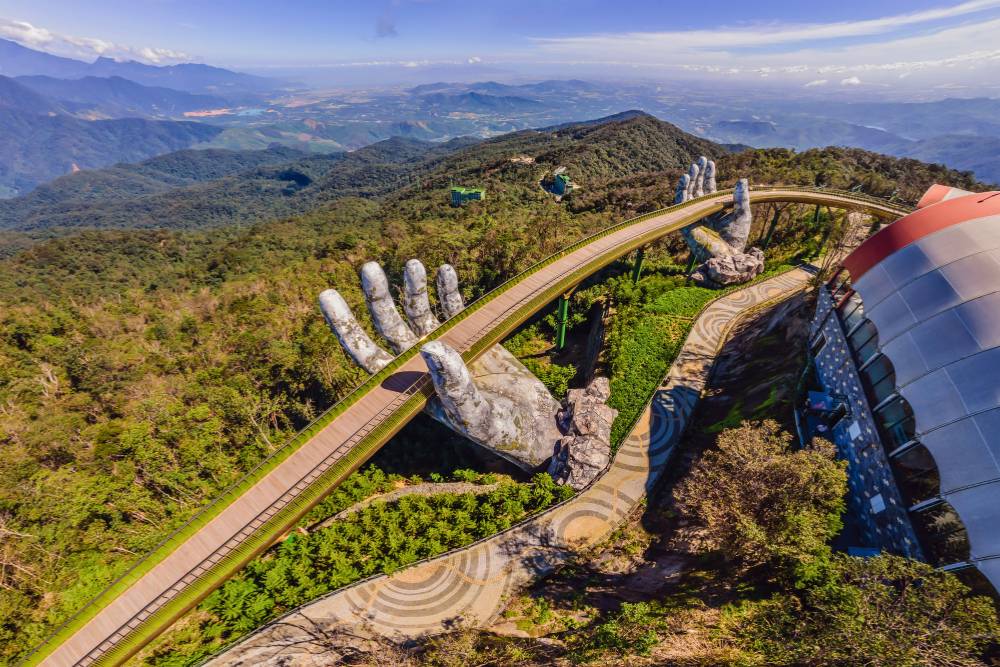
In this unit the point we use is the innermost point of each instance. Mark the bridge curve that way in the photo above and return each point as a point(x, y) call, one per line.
point(271, 499)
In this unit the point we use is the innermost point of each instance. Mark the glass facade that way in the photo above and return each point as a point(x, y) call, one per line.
point(939, 529)
point(879, 378)
point(942, 534)
point(896, 423)
point(864, 342)
point(851, 311)
point(916, 474)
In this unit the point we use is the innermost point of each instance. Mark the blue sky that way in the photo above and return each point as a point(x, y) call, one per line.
point(842, 43)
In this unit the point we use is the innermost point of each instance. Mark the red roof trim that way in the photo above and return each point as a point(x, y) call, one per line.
point(917, 225)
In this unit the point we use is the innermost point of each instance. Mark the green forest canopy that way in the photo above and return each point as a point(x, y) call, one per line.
point(142, 370)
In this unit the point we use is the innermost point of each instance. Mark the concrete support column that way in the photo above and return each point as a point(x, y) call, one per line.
point(562, 320)
point(640, 254)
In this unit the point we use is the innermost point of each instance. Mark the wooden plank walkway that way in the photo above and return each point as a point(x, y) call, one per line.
point(237, 522)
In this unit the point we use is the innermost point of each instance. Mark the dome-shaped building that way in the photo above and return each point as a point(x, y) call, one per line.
point(907, 334)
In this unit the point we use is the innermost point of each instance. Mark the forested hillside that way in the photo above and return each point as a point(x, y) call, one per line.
point(37, 147)
point(213, 188)
point(142, 370)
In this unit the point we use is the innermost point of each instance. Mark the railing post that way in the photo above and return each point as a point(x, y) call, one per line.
point(640, 254)
point(562, 319)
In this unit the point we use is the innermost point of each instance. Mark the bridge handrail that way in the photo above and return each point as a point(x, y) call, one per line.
point(208, 512)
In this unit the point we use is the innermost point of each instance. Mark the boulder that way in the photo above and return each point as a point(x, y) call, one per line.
point(730, 269)
point(585, 451)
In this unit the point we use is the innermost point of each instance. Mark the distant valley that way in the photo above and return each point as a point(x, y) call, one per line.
point(59, 115)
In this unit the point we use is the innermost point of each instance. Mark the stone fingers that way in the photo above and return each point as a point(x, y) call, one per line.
point(738, 230)
point(699, 183)
point(463, 404)
point(709, 178)
point(416, 303)
point(359, 345)
point(448, 293)
point(694, 175)
point(683, 188)
point(385, 317)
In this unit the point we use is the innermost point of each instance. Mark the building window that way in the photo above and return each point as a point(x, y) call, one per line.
point(851, 311)
point(879, 379)
point(896, 423)
point(916, 475)
point(942, 534)
point(864, 342)
point(840, 286)
point(817, 345)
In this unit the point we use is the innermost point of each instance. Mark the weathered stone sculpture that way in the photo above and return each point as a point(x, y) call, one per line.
point(682, 194)
point(699, 183)
point(708, 176)
point(494, 401)
point(720, 241)
point(730, 269)
point(735, 227)
point(582, 453)
point(694, 176)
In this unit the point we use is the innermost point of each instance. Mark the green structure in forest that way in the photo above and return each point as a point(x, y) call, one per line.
point(562, 184)
point(461, 195)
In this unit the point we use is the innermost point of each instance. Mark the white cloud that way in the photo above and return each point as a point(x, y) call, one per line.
point(817, 82)
point(850, 81)
point(759, 34)
point(948, 33)
point(474, 60)
point(36, 37)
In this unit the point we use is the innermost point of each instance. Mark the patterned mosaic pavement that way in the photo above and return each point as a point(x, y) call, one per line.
point(469, 587)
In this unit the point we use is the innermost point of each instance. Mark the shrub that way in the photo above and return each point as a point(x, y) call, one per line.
point(755, 500)
point(880, 611)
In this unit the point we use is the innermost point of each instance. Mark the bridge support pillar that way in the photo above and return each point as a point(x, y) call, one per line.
point(828, 231)
point(562, 320)
point(640, 254)
point(770, 229)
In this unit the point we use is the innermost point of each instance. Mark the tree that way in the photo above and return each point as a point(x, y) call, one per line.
point(879, 611)
point(756, 501)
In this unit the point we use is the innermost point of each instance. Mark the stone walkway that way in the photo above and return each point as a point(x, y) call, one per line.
point(469, 587)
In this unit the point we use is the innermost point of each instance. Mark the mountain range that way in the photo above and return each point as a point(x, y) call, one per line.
point(39, 141)
point(18, 60)
point(49, 104)
point(203, 189)
point(961, 133)
point(116, 97)
point(61, 115)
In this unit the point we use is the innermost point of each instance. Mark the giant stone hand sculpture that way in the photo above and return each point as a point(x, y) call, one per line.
point(494, 401)
point(720, 240)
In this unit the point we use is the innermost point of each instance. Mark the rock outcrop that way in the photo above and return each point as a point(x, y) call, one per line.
point(730, 269)
point(585, 451)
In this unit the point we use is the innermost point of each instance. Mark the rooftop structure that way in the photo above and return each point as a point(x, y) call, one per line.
point(562, 184)
point(907, 335)
point(461, 195)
